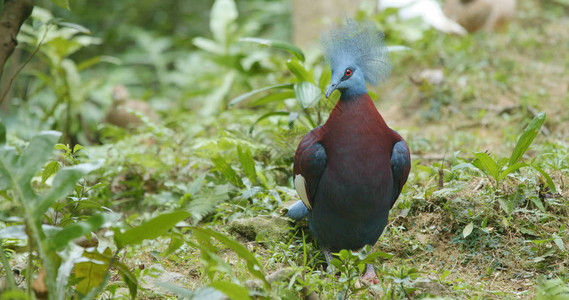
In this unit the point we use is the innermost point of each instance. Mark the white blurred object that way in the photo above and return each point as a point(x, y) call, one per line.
point(481, 15)
point(429, 10)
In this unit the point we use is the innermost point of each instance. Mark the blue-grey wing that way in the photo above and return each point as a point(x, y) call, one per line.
point(400, 167)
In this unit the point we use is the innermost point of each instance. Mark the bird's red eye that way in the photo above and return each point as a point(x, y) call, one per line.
point(348, 72)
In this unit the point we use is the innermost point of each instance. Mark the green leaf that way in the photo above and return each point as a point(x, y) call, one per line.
point(231, 290)
point(511, 169)
point(273, 97)
point(223, 14)
point(227, 171)
point(550, 183)
point(526, 138)
point(149, 230)
point(69, 257)
point(62, 238)
point(486, 164)
point(298, 70)
point(267, 115)
point(208, 45)
point(290, 48)
point(249, 94)
point(50, 169)
point(96, 60)
point(63, 183)
point(36, 154)
point(247, 163)
point(253, 265)
point(468, 229)
point(92, 272)
point(62, 3)
point(307, 94)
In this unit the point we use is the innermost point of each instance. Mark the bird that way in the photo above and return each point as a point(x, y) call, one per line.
point(123, 110)
point(350, 171)
point(481, 15)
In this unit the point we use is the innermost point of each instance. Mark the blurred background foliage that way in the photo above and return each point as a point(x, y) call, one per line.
point(221, 98)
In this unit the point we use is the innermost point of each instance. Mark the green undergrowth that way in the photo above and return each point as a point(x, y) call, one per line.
point(191, 205)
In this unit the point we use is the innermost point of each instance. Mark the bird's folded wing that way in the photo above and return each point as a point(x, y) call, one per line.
point(309, 164)
point(400, 167)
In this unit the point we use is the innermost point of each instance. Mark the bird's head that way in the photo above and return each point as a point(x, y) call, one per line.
point(357, 55)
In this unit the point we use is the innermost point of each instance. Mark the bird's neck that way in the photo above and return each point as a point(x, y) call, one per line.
point(353, 92)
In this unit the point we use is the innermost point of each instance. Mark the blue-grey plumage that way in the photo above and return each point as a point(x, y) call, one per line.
point(350, 171)
point(359, 47)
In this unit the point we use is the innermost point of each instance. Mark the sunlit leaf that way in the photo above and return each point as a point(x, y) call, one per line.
point(249, 94)
point(49, 169)
point(247, 162)
point(149, 230)
point(527, 137)
point(63, 184)
point(223, 14)
point(222, 166)
point(299, 70)
point(307, 94)
point(486, 164)
point(550, 183)
point(467, 229)
point(290, 48)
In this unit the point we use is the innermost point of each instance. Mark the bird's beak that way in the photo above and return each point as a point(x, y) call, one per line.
point(330, 89)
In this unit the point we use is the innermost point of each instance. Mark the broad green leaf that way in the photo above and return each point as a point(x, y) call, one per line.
point(149, 230)
point(307, 94)
point(535, 200)
point(69, 257)
point(510, 169)
point(222, 166)
point(247, 163)
point(468, 229)
point(62, 238)
point(526, 138)
point(91, 273)
point(223, 14)
point(62, 4)
point(298, 70)
point(49, 169)
point(486, 164)
point(290, 48)
point(372, 257)
point(550, 183)
point(36, 154)
point(231, 290)
point(273, 97)
point(63, 184)
point(249, 94)
point(175, 243)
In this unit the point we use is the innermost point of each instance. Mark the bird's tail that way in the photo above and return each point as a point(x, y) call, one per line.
point(297, 211)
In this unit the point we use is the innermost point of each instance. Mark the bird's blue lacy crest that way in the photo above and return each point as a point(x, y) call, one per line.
point(360, 45)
